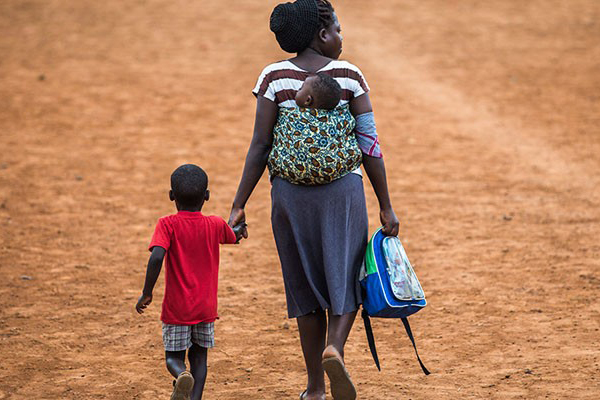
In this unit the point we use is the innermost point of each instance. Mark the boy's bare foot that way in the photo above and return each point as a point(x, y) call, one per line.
point(342, 387)
point(183, 386)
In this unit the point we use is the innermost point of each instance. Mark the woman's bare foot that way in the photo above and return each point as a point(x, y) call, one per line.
point(342, 387)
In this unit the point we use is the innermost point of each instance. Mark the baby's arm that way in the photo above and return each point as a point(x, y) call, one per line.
point(152, 273)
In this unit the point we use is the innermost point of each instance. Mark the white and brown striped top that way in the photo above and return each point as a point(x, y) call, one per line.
point(280, 81)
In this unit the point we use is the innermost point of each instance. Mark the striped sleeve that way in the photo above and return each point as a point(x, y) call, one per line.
point(356, 80)
point(360, 83)
point(263, 86)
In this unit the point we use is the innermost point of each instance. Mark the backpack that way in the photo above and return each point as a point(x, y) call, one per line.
point(390, 287)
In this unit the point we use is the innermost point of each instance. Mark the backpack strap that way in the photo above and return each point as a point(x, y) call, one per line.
point(371, 340)
point(412, 339)
point(370, 337)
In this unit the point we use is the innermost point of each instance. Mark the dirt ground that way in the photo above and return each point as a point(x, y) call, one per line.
point(488, 114)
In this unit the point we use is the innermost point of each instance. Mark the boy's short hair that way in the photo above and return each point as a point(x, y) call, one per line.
point(189, 183)
point(327, 91)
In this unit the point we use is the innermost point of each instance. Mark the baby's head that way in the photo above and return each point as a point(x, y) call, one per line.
point(319, 91)
point(189, 187)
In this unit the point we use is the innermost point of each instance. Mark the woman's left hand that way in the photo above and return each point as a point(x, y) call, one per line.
point(237, 217)
point(390, 222)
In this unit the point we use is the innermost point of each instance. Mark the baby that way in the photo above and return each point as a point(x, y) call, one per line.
point(319, 91)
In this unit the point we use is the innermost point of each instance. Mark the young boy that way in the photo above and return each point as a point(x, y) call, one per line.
point(190, 241)
point(319, 91)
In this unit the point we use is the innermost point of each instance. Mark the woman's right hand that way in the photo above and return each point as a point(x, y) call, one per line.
point(237, 217)
point(389, 221)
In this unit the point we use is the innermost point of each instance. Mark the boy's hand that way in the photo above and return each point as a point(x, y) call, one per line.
point(143, 302)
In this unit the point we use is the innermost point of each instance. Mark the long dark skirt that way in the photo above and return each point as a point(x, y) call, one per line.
point(321, 234)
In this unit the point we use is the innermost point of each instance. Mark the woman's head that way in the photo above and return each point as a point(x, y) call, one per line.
point(307, 23)
point(328, 39)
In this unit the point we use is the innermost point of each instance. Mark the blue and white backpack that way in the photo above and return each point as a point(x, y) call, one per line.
point(390, 287)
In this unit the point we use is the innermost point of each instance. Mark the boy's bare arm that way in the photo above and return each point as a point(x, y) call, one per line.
point(152, 273)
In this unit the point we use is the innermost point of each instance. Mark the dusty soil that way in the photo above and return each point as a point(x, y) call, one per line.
point(488, 114)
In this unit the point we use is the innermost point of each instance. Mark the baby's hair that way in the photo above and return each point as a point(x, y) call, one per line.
point(189, 183)
point(327, 92)
point(325, 14)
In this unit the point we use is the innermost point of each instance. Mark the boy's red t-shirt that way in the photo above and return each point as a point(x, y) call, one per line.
point(192, 265)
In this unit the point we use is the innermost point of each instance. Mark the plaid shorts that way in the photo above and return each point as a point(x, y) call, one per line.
point(181, 337)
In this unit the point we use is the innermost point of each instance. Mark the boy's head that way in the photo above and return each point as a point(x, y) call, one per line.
point(189, 187)
point(319, 91)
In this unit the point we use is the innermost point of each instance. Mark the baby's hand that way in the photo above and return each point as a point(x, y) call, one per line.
point(241, 231)
point(143, 302)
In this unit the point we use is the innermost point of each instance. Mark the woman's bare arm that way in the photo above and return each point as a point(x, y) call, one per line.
point(256, 159)
point(375, 169)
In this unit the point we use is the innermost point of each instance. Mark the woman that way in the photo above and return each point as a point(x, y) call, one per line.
point(321, 231)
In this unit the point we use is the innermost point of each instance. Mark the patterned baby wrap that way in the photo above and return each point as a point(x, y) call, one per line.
point(313, 146)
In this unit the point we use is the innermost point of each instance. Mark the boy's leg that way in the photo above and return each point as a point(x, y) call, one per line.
point(182, 386)
point(197, 356)
point(203, 338)
point(177, 339)
point(175, 362)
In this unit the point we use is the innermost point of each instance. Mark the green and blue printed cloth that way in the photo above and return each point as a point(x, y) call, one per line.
point(314, 146)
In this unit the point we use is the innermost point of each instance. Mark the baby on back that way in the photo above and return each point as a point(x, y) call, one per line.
point(314, 143)
point(319, 91)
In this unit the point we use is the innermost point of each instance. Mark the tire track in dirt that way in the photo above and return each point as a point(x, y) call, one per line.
point(471, 117)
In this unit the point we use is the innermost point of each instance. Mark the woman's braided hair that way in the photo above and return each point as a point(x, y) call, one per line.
point(325, 14)
point(295, 24)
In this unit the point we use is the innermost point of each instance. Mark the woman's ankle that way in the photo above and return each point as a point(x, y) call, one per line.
point(331, 350)
point(314, 394)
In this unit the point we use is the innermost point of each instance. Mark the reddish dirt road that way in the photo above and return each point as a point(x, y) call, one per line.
point(488, 114)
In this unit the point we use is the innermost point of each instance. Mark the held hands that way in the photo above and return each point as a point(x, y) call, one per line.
point(390, 222)
point(237, 221)
point(239, 231)
point(143, 302)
